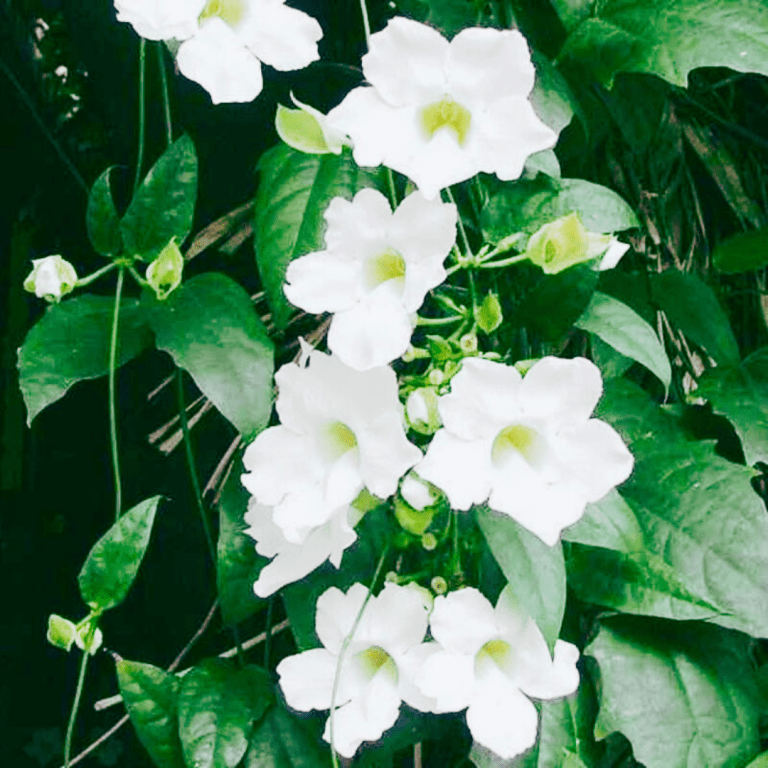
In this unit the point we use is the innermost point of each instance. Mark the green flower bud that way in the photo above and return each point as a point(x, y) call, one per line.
point(468, 343)
point(51, 278)
point(439, 585)
point(564, 243)
point(429, 541)
point(164, 273)
point(89, 638)
point(421, 409)
point(412, 520)
point(61, 632)
point(488, 315)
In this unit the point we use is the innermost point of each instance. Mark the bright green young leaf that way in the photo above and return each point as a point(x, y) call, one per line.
point(151, 697)
point(669, 38)
point(609, 523)
point(237, 564)
point(535, 570)
point(761, 761)
point(70, 343)
point(209, 327)
point(527, 205)
point(679, 692)
point(621, 327)
point(294, 191)
point(283, 741)
point(61, 632)
point(164, 205)
point(744, 252)
point(101, 218)
point(219, 704)
point(741, 395)
point(112, 564)
point(691, 305)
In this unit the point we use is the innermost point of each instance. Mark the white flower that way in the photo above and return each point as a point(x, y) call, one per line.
point(490, 661)
point(341, 430)
point(161, 19)
point(294, 561)
point(526, 444)
point(51, 278)
point(375, 271)
point(308, 130)
point(440, 112)
point(378, 667)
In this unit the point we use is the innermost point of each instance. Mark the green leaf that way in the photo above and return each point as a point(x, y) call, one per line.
point(294, 191)
point(237, 564)
point(527, 205)
point(566, 729)
point(761, 761)
point(101, 218)
point(61, 632)
point(679, 692)
point(218, 707)
point(70, 343)
point(151, 697)
point(164, 205)
point(609, 523)
point(744, 252)
point(683, 35)
point(741, 395)
point(612, 364)
point(447, 16)
point(209, 327)
point(551, 97)
point(572, 12)
point(691, 305)
point(618, 325)
point(282, 741)
point(112, 564)
point(535, 571)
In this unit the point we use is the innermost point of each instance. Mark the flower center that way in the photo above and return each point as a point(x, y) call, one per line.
point(389, 265)
point(446, 113)
point(496, 650)
point(339, 439)
point(372, 659)
point(518, 439)
point(231, 11)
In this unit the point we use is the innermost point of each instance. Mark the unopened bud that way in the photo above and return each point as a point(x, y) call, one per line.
point(89, 638)
point(308, 130)
point(436, 377)
point(439, 585)
point(563, 243)
point(468, 343)
point(51, 278)
point(429, 541)
point(164, 273)
point(421, 409)
point(488, 315)
point(61, 632)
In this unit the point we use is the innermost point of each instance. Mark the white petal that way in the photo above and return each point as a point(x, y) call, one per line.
point(357, 229)
point(613, 255)
point(322, 282)
point(336, 613)
point(396, 620)
point(461, 468)
point(501, 718)
point(555, 678)
point(218, 61)
point(307, 679)
point(463, 621)
point(155, 20)
point(269, 538)
point(409, 668)
point(283, 37)
point(416, 492)
point(448, 679)
point(301, 511)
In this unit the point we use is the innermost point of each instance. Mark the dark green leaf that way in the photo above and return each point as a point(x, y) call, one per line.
point(683, 35)
point(101, 218)
point(691, 306)
point(112, 564)
point(741, 395)
point(294, 191)
point(237, 564)
point(218, 707)
point(164, 205)
point(534, 570)
point(621, 327)
point(209, 327)
point(571, 12)
point(70, 343)
point(744, 252)
point(609, 523)
point(679, 692)
point(151, 697)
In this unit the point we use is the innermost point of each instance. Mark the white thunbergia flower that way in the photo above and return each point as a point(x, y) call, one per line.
point(440, 112)
point(161, 19)
point(378, 667)
point(527, 445)
point(51, 278)
point(294, 561)
point(341, 431)
point(490, 661)
point(375, 272)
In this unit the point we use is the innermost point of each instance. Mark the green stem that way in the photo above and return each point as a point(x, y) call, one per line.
point(191, 465)
point(503, 263)
point(268, 630)
point(345, 645)
point(88, 279)
point(166, 100)
point(75, 707)
point(422, 321)
point(366, 23)
point(392, 190)
point(137, 277)
point(112, 395)
point(142, 112)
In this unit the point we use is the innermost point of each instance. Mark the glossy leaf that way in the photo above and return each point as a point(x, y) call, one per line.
point(744, 252)
point(101, 218)
point(691, 305)
point(535, 571)
point(70, 343)
point(112, 564)
point(679, 692)
point(447, 16)
point(164, 204)
point(621, 327)
point(609, 523)
point(684, 35)
point(741, 395)
point(209, 327)
point(151, 697)
point(294, 191)
point(219, 704)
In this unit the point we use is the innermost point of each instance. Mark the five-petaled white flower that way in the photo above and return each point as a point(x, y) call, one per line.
point(375, 271)
point(526, 444)
point(51, 278)
point(441, 112)
point(341, 431)
point(490, 661)
point(377, 670)
point(295, 561)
